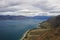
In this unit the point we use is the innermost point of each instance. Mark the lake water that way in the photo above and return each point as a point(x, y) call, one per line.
point(14, 29)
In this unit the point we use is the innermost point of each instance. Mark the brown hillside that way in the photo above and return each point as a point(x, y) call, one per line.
point(49, 30)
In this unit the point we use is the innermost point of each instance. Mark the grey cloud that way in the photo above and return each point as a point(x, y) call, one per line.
point(43, 6)
point(8, 10)
point(12, 4)
point(54, 12)
point(17, 5)
point(4, 7)
point(9, 4)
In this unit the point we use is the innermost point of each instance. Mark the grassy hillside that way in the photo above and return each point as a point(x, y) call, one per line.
point(49, 30)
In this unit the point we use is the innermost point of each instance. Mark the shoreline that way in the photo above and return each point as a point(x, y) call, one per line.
point(24, 34)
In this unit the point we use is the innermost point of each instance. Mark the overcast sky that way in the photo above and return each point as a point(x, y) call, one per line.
point(30, 7)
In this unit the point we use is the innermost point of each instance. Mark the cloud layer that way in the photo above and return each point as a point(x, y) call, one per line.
point(30, 7)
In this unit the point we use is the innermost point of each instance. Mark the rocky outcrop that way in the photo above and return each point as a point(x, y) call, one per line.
point(49, 30)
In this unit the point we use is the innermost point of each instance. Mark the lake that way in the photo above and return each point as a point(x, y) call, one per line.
point(14, 29)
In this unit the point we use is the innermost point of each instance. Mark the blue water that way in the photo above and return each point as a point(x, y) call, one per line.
point(14, 29)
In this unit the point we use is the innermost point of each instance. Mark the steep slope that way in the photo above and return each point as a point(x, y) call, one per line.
point(49, 30)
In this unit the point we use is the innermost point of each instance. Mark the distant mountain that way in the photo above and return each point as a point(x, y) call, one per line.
point(41, 17)
point(8, 17)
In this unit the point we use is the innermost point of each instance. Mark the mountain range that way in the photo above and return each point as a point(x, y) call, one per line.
point(9, 17)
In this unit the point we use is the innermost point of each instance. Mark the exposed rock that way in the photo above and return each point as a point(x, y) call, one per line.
point(49, 30)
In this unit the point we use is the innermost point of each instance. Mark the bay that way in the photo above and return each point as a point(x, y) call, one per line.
point(14, 29)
